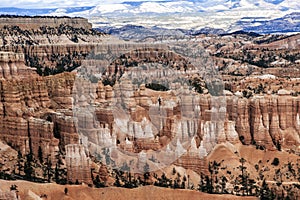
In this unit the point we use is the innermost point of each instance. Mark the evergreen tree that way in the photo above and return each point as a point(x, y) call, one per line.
point(13, 187)
point(19, 162)
point(213, 169)
point(117, 182)
point(244, 177)
point(265, 192)
point(40, 155)
point(223, 184)
point(28, 168)
point(146, 172)
point(48, 169)
point(97, 182)
point(209, 186)
point(173, 171)
point(275, 162)
point(202, 184)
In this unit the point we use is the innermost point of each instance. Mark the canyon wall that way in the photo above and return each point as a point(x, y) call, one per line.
point(37, 22)
point(266, 120)
point(27, 118)
point(12, 66)
point(78, 164)
point(270, 122)
point(37, 111)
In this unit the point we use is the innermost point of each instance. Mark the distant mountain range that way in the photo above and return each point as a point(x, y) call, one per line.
point(288, 24)
point(41, 11)
point(184, 17)
point(133, 32)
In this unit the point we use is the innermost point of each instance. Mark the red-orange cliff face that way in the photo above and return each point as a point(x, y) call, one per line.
point(37, 111)
point(26, 112)
point(13, 66)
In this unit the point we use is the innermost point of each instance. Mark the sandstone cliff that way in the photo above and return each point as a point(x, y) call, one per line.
point(78, 164)
point(12, 66)
point(50, 45)
point(37, 111)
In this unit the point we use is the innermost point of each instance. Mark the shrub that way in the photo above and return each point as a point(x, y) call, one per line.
point(275, 162)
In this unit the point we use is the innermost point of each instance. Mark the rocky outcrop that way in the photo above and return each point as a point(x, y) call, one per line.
point(60, 89)
point(35, 111)
point(50, 45)
point(194, 158)
point(27, 116)
point(78, 164)
point(37, 22)
point(260, 120)
point(142, 124)
point(257, 120)
point(266, 120)
point(40, 133)
point(64, 127)
point(8, 159)
point(38, 113)
point(8, 195)
point(56, 58)
point(20, 100)
point(12, 66)
point(60, 112)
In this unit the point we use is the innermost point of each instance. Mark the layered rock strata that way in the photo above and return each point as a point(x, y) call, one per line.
point(37, 22)
point(78, 164)
point(37, 111)
point(12, 66)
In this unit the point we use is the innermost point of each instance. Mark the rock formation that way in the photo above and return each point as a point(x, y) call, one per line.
point(265, 120)
point(37, 22)
point(8, 195)
point(64, 113)
point(78, 164)
point(12, 66)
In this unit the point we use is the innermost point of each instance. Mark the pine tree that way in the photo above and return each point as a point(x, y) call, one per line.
point(173, 171)
point(265, 192)
point(244, 177)
point(146, 172)
point(202, 184)
point(40, 155)
point(223, 184)
point(48, 169)
point(19, 162)
point(28, 168)
point(97, 182)
point(117, 182)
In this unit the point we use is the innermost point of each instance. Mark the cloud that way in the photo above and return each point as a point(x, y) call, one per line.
point(57, 3)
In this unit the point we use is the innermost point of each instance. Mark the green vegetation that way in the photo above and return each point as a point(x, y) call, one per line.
point(275, 162)
point(156, 86)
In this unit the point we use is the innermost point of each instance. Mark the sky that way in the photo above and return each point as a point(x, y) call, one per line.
point(84, 3)
point(58, 3)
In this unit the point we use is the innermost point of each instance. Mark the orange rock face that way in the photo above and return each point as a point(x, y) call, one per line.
point(37, 111)
point(78, 164)
point(12, 66)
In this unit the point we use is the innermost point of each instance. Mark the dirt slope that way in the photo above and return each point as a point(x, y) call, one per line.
point(30, 191)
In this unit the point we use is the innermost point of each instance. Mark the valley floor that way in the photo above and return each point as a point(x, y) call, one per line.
point(30, 191)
